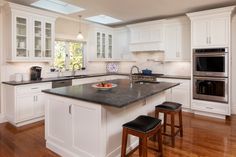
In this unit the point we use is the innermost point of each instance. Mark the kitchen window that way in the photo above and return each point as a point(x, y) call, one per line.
point(68, 53)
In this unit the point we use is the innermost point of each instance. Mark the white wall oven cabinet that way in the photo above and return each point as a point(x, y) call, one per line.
point(26, 104)
point(29, 36)
point(211, 28)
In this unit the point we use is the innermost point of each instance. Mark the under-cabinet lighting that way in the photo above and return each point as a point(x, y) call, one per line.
point(57, 6)
point(103, 19)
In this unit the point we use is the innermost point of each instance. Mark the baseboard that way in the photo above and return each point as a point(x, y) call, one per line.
point(210, 114)
point(2, 119)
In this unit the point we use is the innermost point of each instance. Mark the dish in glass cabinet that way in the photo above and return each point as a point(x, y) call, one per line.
point(104, 86)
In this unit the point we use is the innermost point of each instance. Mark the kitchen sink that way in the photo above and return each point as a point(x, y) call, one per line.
point(147, 82)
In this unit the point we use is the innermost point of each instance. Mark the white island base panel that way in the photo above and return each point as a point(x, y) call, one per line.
point(76, 128)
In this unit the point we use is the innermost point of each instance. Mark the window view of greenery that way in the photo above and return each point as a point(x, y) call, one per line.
point(67, 54)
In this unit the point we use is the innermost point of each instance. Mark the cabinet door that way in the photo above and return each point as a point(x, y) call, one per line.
point(109, 45)
point(200, 33)
point(58, 122)
point(39, 105)
point(24, 107)
point(21, 45)
point(219, 32)
point(37, 39)
point(48, 40)
point(171, 39)
point(181, 96)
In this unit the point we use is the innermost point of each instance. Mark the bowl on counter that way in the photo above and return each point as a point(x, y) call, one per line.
point(104, 86)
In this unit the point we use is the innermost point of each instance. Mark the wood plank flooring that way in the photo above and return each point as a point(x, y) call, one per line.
point(203, 137)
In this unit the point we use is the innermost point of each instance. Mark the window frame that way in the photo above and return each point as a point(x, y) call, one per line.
point(67, 55)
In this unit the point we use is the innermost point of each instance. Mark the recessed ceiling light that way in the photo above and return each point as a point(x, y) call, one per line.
point(57, 6)
point(103, 19)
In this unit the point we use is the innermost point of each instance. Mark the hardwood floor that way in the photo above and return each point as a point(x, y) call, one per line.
point(203, 137)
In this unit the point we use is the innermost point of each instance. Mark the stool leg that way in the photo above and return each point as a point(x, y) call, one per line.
point(180, 123)
point(156, 113)
point(164, 123)
point(173, 129)
point(144, 146)
point(124, 142)
point(160, 142)
point(140, 146)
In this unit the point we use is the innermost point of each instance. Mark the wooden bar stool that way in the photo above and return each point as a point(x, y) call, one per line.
point(171, 108)
point(142, 127)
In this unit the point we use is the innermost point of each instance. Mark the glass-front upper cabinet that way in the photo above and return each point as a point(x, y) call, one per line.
point(38, 39)
point(48, 40)
point(22, 45)
point(104, 45)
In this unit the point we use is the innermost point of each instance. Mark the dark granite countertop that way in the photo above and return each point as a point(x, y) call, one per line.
point(122, 95)
point(14, 83)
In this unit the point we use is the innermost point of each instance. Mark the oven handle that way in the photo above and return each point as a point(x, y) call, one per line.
point(211, 78)
point(211, 54)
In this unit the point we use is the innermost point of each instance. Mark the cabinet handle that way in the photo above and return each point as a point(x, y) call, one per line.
point(28, 52)
point(36, 98)
point(35, 88)
point(70, 109)
point(209, 108)
point(209, 40)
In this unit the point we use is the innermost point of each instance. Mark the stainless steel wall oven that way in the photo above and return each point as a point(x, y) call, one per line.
point(210, 62)
point(210, 74)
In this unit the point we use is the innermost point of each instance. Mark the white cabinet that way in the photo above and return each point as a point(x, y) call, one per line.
point(180, 93)
point(211, 107)
point(26, 103)
point(29, 36)
point(212, 32)
point(146, 36)
point(177, 40)
point(43, 39)
point(211, 28)
point(100, 43)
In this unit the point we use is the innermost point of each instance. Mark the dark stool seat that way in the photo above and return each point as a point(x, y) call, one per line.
point(169, 105)
point(143, 123)
point(142, 127)
point(171, 108)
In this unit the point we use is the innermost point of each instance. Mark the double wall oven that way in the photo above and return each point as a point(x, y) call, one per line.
point(210, 70)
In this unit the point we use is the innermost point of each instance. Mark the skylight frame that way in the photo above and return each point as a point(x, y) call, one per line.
point(57, 6)
point(103, 19)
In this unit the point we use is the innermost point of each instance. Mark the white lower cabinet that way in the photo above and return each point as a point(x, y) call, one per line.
point(180, 93)
point(26, 103)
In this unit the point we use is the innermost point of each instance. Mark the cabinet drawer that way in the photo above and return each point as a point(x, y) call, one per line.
point(211, 107)
point(32, 88)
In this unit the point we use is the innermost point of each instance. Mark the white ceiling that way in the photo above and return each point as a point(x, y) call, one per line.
point(130, 11)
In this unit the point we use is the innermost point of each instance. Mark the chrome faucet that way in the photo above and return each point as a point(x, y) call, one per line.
point(131, 71)
point(73, 68)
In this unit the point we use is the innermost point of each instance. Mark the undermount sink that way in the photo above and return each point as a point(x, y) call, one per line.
point(146, 82)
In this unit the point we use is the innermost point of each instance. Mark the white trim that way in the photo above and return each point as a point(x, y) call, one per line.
point(224, 10)
point(207, 114)
point(2, 119)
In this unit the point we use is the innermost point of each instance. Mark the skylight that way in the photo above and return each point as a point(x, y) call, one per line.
point(57, 6)
point(103, 19)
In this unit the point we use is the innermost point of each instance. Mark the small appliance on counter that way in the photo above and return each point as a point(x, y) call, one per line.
point(35, 73)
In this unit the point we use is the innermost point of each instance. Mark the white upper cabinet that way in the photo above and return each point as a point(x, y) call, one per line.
point(100, 43)
point(177, 40)
point(147, 36)
point(30, 36)
point(211, 28)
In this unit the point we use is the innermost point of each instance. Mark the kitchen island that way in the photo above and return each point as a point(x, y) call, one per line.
point(81, 121)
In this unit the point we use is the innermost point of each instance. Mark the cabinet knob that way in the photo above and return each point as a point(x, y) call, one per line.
point(70, 109)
